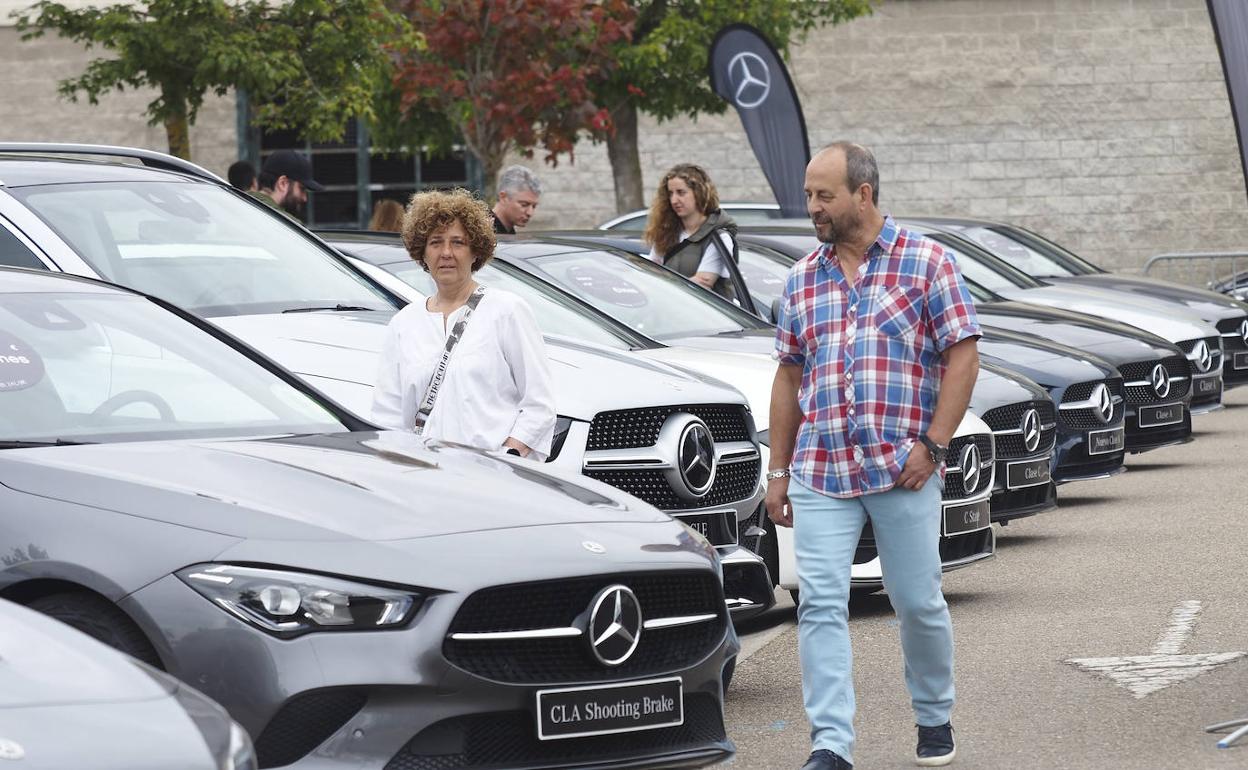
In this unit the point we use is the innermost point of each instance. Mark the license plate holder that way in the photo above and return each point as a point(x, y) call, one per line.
point(1206, 385)
point(1161, 414)
point(1021, 474)
point(1103, 442)
point(960, 518)
point(718, 527)
point(1239, 361)
point(578, 712)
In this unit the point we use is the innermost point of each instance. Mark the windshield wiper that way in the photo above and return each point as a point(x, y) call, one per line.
point(336, 308)
point(24, 444)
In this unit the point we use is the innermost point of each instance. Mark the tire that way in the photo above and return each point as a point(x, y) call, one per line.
point(101, 620)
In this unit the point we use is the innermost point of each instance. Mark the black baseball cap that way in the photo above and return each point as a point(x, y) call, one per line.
point(294, 165)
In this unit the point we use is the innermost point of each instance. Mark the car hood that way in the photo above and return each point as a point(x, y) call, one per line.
point(337, 353)
point(759, 341)
point(750, 373)
point(1112, 341)
point(46, 663)
point(997, 385)
point(330, 487)
point(1165, 319)
point(1209, 305)
point(1047, 363)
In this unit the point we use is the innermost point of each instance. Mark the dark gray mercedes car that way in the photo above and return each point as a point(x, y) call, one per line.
point(353, 598)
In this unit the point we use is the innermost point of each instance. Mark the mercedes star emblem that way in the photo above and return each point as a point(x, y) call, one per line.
point(614, 625)
point(1202, 356)
point(750, 78)
point(592, 547)
point(1104, 402)
point(970, 468)
point(1031, 430)
point(1243, 331)
point(696, 455)
point(1160, 379)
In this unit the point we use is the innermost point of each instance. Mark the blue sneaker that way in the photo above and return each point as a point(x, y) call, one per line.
point(936, 747)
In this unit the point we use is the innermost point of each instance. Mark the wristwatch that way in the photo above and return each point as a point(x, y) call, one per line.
point(938, 451)
point(779, 473)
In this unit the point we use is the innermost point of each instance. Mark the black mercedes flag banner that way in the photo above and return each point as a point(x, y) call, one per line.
point(1230, 27)
point(747, 71)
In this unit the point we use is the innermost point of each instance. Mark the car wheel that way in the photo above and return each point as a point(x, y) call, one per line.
point(101, 620)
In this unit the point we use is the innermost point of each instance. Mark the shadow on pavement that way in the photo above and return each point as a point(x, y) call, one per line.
point(1070, 501)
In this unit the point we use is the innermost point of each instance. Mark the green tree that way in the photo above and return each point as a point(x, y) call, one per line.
point(661, 68)
point(309, 65)
point(510, 74)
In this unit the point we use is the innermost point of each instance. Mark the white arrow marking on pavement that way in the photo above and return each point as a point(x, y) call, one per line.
point(1147, 674)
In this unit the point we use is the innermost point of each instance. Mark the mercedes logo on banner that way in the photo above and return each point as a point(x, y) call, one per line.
point(614, 625)
point(1104, 402)
point(1160, 380)
point(1031, 430)
point(970, 468)
point(750, 78)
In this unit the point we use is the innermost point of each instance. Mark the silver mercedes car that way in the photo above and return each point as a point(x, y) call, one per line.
point(353, 598)
point(122, 714)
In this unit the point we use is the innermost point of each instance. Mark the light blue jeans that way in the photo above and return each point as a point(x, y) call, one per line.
point(907, 532)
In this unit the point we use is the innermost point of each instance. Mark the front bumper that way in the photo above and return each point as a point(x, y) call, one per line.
point(392, 700)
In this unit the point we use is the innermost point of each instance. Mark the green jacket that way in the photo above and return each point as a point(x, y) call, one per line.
point(267, 200)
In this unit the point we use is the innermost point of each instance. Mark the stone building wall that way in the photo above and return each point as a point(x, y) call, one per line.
point(1101, 123)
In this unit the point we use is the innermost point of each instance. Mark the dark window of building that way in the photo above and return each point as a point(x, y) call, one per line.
point(355, 177)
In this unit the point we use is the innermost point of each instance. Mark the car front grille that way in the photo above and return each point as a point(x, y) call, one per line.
point(953, 479)
point(558, 603)
point(631, 428)
point(1142, 371)
point(733, 482)
point(1088, 418)
point(1011, 446)
point(1233, 343)
point(508, 739)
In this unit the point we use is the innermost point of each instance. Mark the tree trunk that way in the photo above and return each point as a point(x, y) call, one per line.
point(491, 164)
point(178, 131)
point(625, 159)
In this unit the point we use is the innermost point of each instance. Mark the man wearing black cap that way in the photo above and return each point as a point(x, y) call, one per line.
point(285, 178)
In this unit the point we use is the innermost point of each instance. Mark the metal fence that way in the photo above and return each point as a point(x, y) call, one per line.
point(1197, 268)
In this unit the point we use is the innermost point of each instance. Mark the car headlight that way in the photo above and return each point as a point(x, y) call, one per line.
point(289, 604)
point(562, 426)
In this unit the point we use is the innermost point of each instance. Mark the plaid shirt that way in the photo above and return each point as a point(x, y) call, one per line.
point(870, 353)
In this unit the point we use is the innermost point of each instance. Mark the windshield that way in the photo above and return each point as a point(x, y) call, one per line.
point(1071, 262)
point(555, 315)
point(983, 268)
point(198, 246)
point(765, 273)
point(651, 299)
point(106, 367)
point(1018, 254)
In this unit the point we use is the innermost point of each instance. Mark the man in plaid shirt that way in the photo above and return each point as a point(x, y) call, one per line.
point(876, 344)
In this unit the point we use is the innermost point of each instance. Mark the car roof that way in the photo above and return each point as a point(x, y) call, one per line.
point(24, 170)
point(21, 280)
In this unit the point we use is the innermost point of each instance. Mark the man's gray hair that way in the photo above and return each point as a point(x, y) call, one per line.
point(860, 168)
point(518, 179)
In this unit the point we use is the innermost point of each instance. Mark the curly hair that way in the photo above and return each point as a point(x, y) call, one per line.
point(663, 227)
point(428, 212)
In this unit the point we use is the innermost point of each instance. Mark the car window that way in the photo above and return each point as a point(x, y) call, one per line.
point(765, 273)
point(651, 299)
point(1018, 254)
point(983, 268)
point(97, 367)
point(198, 246)
point(553, 316)
point(14, 253)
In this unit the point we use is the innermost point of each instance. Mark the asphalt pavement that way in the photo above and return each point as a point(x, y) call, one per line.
point(1105, 634)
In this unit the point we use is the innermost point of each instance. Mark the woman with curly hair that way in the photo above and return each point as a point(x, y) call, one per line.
point(466, 365)
point(687, 232)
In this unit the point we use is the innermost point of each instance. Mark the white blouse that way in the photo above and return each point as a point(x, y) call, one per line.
point(496, 385)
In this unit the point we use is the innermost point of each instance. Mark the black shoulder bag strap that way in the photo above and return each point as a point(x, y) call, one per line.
point(439, 374)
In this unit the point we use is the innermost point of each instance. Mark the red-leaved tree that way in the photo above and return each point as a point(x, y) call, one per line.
point(511, 74)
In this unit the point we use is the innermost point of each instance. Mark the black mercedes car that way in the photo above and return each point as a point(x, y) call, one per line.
point(1156, 374)
point(1041, 258)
